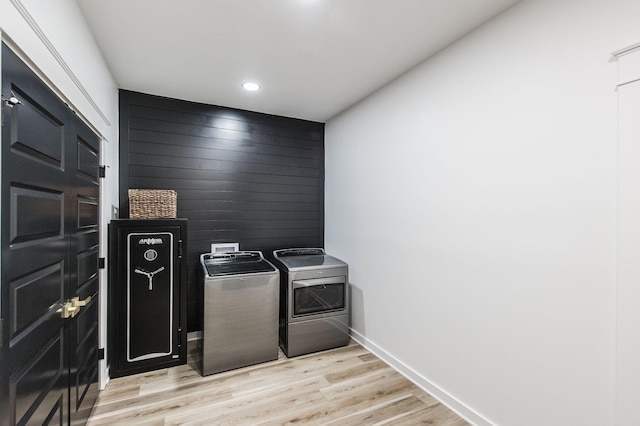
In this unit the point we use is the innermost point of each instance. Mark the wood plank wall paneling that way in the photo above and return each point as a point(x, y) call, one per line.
point(241, 176)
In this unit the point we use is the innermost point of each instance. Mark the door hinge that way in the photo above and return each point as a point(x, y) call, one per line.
point(1, 334)
point(179, 249)
point(101, 262)
point(12, 100)
point(100, 353)
point(102, 171)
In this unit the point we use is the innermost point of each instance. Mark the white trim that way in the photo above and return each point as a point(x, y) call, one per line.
point(628, 60)
point(624, 83)
point(1, 141)
point(103, 341)
point(192, 336)
point(47, 81)
point(625, 51)
point(425, 384)
point(56, 55)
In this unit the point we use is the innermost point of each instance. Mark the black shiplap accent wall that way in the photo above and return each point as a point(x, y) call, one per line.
point(241, 176)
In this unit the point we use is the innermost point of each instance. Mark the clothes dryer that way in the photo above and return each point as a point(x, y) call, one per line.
point(314, 301)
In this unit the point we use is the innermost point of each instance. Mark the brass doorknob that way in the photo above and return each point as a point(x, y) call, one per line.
point(71, 308)
point(76, 302)
point(68, 310)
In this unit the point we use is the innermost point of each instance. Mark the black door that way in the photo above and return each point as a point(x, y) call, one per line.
point(50, 192)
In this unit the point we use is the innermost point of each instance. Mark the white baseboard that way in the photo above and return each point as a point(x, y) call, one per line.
point(432, 389)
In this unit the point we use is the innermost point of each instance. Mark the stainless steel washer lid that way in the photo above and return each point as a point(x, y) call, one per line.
point(235, 263)
point(307, 258)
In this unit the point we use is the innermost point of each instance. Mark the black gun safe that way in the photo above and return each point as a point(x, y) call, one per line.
point(147, 295)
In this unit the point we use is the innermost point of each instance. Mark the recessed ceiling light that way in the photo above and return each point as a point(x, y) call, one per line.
point(251, 86)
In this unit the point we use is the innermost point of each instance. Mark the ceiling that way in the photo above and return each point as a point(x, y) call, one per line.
point(312, 58)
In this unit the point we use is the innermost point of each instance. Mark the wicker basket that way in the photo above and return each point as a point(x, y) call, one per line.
point(152, 203)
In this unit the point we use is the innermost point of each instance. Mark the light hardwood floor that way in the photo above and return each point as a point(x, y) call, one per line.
point(343, 386)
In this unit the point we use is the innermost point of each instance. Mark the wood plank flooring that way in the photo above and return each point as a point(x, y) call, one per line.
point(343, 386)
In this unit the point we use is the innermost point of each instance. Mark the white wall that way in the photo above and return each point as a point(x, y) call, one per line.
point(52, 37)
point(475, 201)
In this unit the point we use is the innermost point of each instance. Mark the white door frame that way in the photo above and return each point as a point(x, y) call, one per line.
point(627, 367)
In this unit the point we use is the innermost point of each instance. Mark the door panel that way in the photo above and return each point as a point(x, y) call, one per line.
point(84, 368)
point(44, 208)
point(49, 240)
point(32, 297)
point(84, 239)
point(36, 131)
point(35, 388)
point(35, 258)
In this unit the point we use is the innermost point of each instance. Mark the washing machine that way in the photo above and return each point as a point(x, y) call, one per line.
point(240, 312)
point(314, 311)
